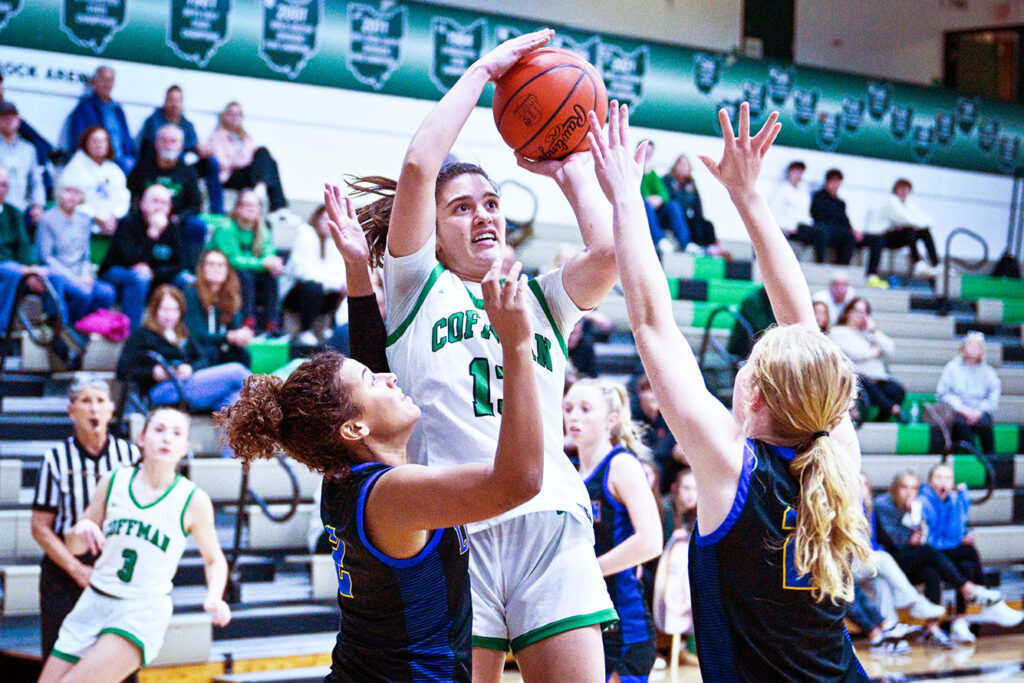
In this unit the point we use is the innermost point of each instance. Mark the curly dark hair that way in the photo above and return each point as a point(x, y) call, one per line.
point(300, 415)
point(376, 216)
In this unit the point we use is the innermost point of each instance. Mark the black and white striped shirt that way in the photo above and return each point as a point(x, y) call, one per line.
point(69, 475)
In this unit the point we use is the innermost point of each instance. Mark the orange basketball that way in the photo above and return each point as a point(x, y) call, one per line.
point(541, 103)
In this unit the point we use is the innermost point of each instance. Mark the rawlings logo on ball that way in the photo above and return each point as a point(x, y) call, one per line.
point(558, 137)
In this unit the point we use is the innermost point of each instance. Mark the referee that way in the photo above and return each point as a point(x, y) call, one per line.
point(67, 482)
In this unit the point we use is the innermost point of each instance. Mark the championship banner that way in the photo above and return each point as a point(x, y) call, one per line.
point(413, 49)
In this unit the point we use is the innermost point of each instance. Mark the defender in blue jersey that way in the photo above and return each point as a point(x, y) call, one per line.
point(403, 583)
point(627, 527)
point(779, 519)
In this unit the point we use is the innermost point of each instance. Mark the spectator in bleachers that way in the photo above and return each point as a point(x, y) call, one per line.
point(26, 192)
point(756, 309)
point(98, 108)
point(92, 168)
point(838, 294)
point(67, 482)
point(243, 164)
point(671, 605)
point(821, 316)
point(62, 241)
point(213, 311)
point(207, 387)
point(250, 251)
point(888, 585)
point(162, 165)
point(867, 346)
point(663, 214)
point(590, 329)
point(679, 507)
point(899, 222)
point(316, 270)
point(18, 260)
point(944, 509)
point(884, 636)
point(832, 226)
point(683, 190)
point(656, 436)
point(173, 112)
point(971, 387)
point(146, 251)
point(901, 530)
point(42, 146)
point(791, 205)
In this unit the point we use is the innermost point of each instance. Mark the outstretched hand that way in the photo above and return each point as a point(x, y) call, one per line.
point(619, 168)
point(741, 160)
point(505, 304)
point(500, 59)
point(345, 229)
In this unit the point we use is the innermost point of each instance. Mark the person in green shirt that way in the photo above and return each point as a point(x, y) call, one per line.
point(247, 244)
point(756, 310)
point(664, 215)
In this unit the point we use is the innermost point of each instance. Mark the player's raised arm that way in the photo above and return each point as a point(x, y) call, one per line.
point(738, 171)
point(414, 212)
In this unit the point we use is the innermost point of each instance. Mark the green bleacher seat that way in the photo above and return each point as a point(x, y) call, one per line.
point(268, 354)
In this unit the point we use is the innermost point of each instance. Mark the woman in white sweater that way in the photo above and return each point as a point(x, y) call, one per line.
point(317, 273)
point(93, 169)
point(855, 333)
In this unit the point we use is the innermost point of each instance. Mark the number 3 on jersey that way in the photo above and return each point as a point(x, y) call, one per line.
point(344, 578)
point(480, 371)
point(791, 578)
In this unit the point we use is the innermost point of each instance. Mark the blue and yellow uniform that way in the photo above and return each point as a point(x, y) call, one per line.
point(401, 620)
point(629, 646)
point(755, 617)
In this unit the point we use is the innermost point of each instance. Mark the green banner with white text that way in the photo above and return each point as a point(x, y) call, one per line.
point(417, 50)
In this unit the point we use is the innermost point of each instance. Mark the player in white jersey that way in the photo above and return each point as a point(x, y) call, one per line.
point(138, 522)
point(536, 584)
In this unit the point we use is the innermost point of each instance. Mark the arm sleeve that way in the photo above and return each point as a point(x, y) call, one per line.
point(884, 343)
point(74, 174)
point(196, 320)
point(817, 207)
point(47, 495)
point(120, 197)
point(166, 272)
point(993, 390)
point(47, 247)
point(225, 239)
point(563, 311)
point(134, 364)
point(367, 334)
point(944, 391)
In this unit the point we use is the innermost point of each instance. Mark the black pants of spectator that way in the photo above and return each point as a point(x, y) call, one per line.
point(259, 299)
point(262, 169)
point(58, 594)
point(968, 563)
point(924, 564)
point(883, 393)
point(839, 237)
point(702, 231)
point(897, 238)
point(310, 301)
point(962, 431)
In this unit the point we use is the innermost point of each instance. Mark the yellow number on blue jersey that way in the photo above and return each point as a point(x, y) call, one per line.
point(344, 578)
point(791, 578)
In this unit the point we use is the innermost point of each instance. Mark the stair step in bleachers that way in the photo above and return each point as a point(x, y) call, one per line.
point(10, 481)
point(191, 570)
point(34, 404)
point(999, 544)
point(22, 427)
point(265, 534)
point(280, 620)
point(308, 674)
point(16, 535)
point(221, 478)
point(22, 385)
point(924, 378)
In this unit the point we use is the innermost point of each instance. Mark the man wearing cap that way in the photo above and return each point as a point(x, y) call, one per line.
point(67, 482)
point(62, 240)
point(26, 192)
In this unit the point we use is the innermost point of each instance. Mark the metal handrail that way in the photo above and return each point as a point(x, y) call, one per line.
point(56, 321)
point(947, 451)
point(233, 592)
point(524, 229)
point(708, 341)
point(962, 263)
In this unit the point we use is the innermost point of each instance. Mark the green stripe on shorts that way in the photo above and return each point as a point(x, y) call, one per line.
point(499, 644)
point(603, 617)
point(64, 655)
point(131, 638)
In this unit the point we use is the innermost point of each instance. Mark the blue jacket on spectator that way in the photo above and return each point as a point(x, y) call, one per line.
point(947, 520)
point(89, 112)
point(157, 120)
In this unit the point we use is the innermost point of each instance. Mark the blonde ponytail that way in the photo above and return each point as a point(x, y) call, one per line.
point(626, 432)
point(808, 386)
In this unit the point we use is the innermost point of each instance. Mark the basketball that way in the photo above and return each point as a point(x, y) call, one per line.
point(541, 103)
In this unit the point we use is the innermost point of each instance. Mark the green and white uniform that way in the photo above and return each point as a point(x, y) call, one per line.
point(131, 583)
point(449, 360)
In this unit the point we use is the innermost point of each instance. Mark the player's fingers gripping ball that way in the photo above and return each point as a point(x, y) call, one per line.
point(541, 103)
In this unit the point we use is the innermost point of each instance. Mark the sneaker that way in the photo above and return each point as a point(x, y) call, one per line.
point(899, 631)
point(985, 597)
point(1000, 614)
point(665, 246)
point(924, 609)
point(960, 631)
point(307, 338)
point(936, 637)
point(695, 249)
point(877, 282)
point(889, 647)
point(923, 269)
